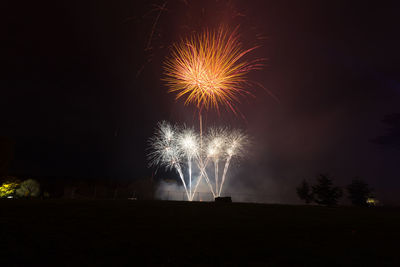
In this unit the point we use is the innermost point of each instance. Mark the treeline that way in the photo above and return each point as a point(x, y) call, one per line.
point(323, 192)
point(78, 187)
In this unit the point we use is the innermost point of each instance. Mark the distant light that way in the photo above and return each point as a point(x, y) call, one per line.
point(372, 201)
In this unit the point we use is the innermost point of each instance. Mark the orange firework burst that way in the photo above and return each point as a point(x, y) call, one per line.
point(209, 69)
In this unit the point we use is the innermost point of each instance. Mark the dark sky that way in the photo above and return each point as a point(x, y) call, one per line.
point(82, 91)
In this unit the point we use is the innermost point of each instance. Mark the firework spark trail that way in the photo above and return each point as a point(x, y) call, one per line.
point(217, 140)
point(188, 144)
point(227, 162)
point(197, 184)
point(237, 141)
point(148, 46)
point(161, 9)
point(190, 176)
point(203, 173)
point(216, 176)
point(165, 152)
point(209, 69)
point(201, 167)
point(183, 181)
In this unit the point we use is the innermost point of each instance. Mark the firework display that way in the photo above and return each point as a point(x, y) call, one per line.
point(179, 148)
point(209, 69)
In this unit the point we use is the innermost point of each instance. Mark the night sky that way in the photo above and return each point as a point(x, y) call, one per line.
point(82, 89)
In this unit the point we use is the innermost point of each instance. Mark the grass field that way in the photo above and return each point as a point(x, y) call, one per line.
point(133, 233)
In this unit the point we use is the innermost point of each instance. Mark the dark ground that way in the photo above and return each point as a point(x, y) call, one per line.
point(129, 233)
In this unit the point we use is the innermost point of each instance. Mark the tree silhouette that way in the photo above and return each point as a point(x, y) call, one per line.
point(304, 192)
point(324, 192)
point(359, 192)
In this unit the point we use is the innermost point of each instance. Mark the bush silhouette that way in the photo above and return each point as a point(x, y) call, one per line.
point(7, 189)
point(28, 188)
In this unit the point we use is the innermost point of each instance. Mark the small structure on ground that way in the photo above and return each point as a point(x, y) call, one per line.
point(223, 200)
